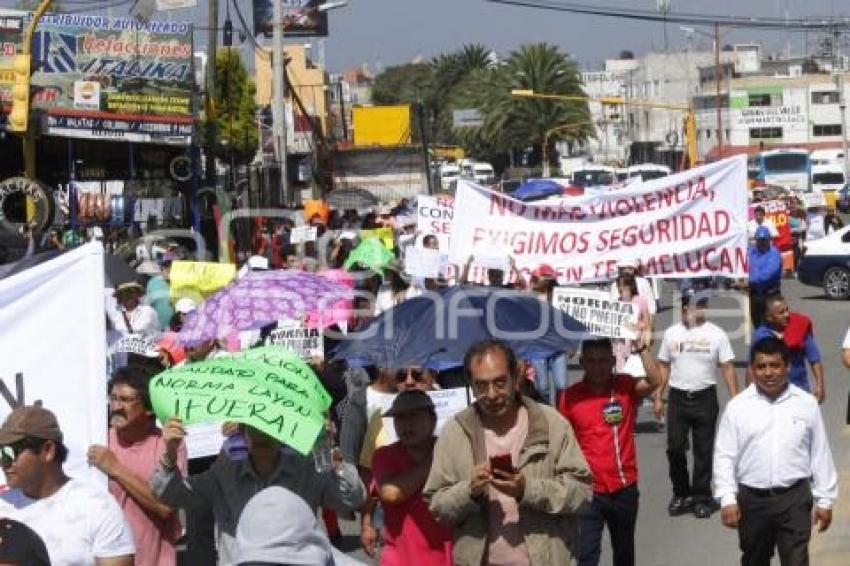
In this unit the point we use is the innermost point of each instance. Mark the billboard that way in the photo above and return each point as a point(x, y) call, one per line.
point(381, 125)
point(113, 78)
point(11, 28)
point(301, 18)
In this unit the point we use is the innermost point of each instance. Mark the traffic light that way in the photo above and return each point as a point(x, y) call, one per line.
point(19, 117)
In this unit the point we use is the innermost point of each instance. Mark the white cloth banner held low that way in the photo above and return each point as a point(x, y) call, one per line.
point(690, 224)
point(53, 349)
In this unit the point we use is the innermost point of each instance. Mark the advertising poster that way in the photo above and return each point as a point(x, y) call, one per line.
point(301, 18)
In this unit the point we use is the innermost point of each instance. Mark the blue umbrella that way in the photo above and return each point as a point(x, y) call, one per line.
point(537, 188)
point(435, 330)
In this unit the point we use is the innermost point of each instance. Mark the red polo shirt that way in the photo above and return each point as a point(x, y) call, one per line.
point(608, 447)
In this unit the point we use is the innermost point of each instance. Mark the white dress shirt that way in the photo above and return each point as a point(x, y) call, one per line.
point(769, 444)
point(143, 320)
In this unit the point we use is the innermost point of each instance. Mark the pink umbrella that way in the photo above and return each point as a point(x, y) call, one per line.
point(264, 297)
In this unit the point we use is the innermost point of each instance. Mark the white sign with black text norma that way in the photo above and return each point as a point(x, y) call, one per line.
point(602, 315)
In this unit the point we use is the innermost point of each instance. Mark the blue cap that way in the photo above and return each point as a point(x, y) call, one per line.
point(762, 233)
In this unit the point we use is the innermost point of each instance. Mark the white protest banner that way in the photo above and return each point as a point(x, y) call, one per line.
point(294, 336)
point(602, 315)
point(434, 215)
point(425, 263)
point(689, 224)
point(301, 234)
point(492, 260)
point(53, 349)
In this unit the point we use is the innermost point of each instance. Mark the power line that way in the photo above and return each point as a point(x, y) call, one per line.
point(698, 19)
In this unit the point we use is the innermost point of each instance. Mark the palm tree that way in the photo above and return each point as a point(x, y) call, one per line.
point(540, 67)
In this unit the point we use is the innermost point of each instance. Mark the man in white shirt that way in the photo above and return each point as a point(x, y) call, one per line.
point(760, 220)
point(690, 353)
point(129, 316)
point(772, 463)
point(79, 524)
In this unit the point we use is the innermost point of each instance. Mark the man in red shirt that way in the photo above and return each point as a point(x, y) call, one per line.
point(602, 409)
point(399, 470)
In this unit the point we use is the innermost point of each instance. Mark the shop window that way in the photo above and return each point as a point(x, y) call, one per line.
point(826, 130)
point(825, 97)
point(765, 133)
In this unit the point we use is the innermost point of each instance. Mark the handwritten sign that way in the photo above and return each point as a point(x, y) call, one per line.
point(597, 311)
point(296, 337)
point(135, 344)
point(434, 215)
point(267, 388)
point(385, 235)
point(302, 234)
point(425, 263)
point(199, 279)
point(448, 403)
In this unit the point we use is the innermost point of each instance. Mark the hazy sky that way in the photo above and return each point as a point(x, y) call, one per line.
point(387, 32)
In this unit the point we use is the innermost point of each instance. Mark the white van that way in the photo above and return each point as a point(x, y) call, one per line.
point(826, 178)
point(449, 174)
point(483, 173)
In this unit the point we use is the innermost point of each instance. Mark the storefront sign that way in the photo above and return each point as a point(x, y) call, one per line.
point(771, 116)
point(117, 128)
point(122, 78)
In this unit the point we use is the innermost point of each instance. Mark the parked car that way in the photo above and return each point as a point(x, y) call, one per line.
point(826, 263)
point(842, 199)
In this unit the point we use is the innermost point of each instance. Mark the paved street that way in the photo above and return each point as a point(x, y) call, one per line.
point(662, 540)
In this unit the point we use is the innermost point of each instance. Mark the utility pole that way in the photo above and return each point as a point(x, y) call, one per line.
point(420, 113)
point(842, 102)
point(278, 92)
point(212, 47)
point(718, 98)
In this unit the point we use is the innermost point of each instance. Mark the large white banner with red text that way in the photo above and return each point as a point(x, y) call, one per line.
point(690, 224)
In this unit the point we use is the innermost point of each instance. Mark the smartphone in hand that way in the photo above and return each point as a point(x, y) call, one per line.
point(502, 462)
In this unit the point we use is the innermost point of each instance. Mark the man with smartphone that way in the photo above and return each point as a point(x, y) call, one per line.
point(508, 475)
point(602, 408)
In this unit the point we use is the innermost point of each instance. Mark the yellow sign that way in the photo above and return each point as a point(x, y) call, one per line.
point(199, 279)
point(381, 125)
point(7, 76)
point(383, 234)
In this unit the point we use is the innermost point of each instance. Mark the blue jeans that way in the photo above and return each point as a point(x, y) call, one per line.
point(618, 511)
point(548, 371)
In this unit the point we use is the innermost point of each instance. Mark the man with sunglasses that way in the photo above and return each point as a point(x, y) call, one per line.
point(135, 447)
point(79, 524)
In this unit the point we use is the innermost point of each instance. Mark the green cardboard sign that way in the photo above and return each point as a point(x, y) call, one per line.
point(268, 388)
point(370, 253)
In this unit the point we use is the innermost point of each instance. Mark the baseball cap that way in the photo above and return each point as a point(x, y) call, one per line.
point(410, 401)
point(185, 305)
point(762, 233)
point(30, 422)
point(631, 262)
point(545, 270)
point(19, 544)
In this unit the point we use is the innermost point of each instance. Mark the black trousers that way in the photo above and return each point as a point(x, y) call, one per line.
point(618, 511)
point(691, 414)
point(758, 305)
point(781, 520)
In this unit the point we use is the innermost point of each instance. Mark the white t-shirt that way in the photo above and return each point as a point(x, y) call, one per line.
point(767, 222)
point(78, 523)
point(694, 355)
point(846, 344)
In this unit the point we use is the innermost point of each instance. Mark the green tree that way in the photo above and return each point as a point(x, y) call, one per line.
point(516, 123)
point(235, 108)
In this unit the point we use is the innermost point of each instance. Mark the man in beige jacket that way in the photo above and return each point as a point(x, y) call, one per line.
point(508, 475)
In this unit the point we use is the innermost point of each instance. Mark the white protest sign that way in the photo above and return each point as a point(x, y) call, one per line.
point(135, 344)
point(434, 215)
point(53, 349)
point(492, 260)
point(204, 439)
point(601, 315)
point(689, 224)
point(302, 234)
point(294, 336)
point(425, 263)
point(448, 403)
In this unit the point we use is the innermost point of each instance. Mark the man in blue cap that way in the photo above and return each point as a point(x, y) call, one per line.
point(765, 273)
